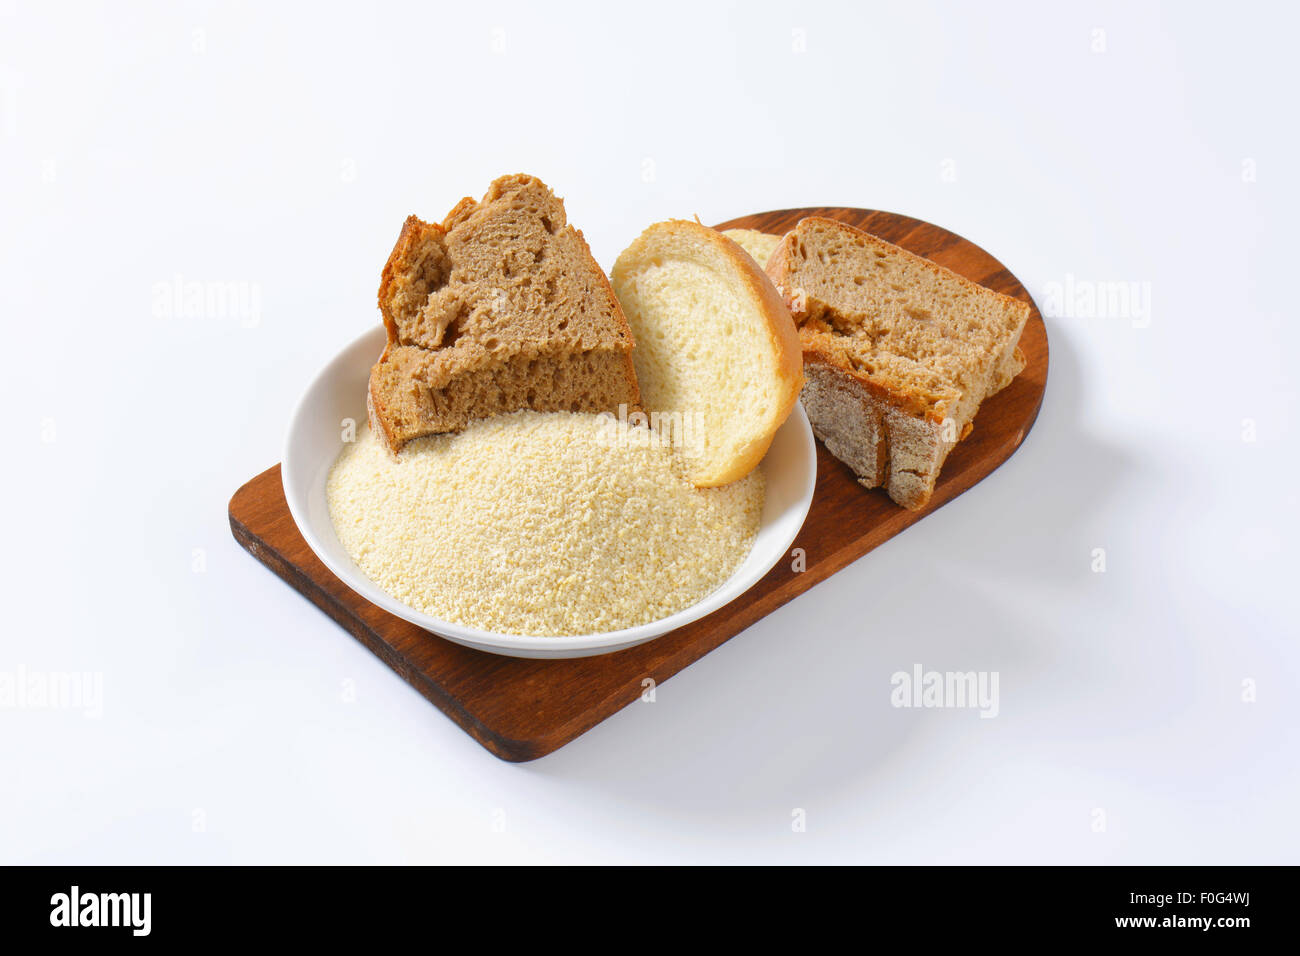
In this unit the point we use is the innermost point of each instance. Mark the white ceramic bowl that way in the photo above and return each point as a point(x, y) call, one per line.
point(339, 392)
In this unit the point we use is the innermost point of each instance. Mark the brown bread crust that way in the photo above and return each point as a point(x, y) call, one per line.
point(894, 421)
point(499, 307)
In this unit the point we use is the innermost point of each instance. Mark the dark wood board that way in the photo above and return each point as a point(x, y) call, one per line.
point(523, 709)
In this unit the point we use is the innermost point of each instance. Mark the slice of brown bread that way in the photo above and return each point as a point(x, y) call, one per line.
point(899, 352)
point(500, 307)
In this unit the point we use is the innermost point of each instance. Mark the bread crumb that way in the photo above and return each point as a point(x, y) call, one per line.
point(539, 524)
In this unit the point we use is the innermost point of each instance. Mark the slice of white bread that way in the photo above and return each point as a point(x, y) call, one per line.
point(899, 352)
point(760, 245)
point(716, 347)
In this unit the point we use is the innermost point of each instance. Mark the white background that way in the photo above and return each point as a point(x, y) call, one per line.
point(283, 147)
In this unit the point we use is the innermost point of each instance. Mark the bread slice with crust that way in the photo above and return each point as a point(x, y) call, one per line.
point(898, 351)
point(497, 308)
point(760, 245)
point(716, 347)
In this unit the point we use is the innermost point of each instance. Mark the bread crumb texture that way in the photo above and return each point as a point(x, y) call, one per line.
point(715, 345)
point(540, 524)
point(760, 245)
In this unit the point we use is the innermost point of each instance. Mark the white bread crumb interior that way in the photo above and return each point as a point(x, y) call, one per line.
point(540, 524)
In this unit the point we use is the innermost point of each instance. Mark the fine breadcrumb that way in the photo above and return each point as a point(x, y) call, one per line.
point(540, 524)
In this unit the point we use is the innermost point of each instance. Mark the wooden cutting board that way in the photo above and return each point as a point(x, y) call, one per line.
point(522, 709)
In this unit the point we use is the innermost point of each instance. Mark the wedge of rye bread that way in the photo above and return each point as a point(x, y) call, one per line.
point(499, 307)
point(760, 245)
point(716, 349)
point(898, 352)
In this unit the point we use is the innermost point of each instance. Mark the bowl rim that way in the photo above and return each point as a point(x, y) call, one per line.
point(353, 578)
